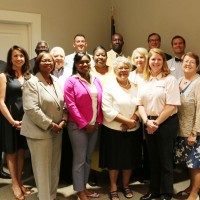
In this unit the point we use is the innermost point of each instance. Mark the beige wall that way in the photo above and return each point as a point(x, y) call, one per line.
point(62, 19)
point(137, 19)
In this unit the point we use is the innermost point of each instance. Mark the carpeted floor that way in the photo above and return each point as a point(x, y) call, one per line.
point(65, 191)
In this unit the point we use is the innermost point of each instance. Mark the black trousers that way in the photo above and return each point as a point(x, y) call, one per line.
point(160, 148)
point(66, 158)
point(0, 138)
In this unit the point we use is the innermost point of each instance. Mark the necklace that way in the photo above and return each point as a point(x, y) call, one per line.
point(186, 82)
point(127, 84)
point(49, 82)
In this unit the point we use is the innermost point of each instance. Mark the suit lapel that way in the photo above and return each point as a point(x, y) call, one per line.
point(55, 94)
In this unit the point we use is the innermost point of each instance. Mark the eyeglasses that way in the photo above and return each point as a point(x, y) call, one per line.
point(152, 40)
point(46, 61)
point(123, 68)
point(189, 62)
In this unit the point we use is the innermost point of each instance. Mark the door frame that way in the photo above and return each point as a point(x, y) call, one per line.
point(32, 20)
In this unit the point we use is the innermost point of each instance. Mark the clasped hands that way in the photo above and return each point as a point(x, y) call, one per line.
point(152, 126)
point(192, 139)
point(129, 125)
point(17, 124)
point(90, 128)
point(57, 127)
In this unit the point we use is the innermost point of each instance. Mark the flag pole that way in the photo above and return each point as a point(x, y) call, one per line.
point(112, 21)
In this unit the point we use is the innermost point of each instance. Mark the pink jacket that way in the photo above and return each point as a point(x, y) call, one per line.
point(79, 103)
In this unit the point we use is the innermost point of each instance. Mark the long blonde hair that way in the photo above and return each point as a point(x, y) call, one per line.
point(165, 69)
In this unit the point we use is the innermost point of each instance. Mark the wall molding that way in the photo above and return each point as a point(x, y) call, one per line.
point(32, 20)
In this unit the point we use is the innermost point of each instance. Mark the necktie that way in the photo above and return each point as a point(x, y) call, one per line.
point(178, 59)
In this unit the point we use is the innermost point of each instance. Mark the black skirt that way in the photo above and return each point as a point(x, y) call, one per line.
point(120, 150)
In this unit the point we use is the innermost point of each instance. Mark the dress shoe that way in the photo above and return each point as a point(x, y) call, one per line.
point(149, 196)
point(92, 183)
point(4, 175)
point(166, 197)
point(92, 179)
point(146, 181)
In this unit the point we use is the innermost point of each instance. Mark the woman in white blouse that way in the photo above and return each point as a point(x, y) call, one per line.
point(120, 134)
point(158, 98)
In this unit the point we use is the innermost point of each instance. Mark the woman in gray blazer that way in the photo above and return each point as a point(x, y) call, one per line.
point(42, 125)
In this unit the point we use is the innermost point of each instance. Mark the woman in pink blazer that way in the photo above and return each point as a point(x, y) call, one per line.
point(83, 96)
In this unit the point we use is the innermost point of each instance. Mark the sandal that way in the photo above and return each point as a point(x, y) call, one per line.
point(113, 195)
point(127, 192)
point(183, 193)
point(25, 190)
point(93, 195)
point(81, 196)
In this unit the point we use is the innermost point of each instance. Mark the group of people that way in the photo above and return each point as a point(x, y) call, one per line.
point(144, 110)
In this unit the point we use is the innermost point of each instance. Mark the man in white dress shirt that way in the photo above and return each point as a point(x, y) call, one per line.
point(178, 47)
point(117, 43)
point(61, 71)
point(80, 45)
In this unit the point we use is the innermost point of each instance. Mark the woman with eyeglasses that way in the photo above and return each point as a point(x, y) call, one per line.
point(188, 141)
point(83, 97)
point(42, 125)
point(120, 133)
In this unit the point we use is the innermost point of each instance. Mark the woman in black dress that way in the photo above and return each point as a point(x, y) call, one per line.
point(14, 145)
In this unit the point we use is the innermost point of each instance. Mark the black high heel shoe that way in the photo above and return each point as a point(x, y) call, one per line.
point(4, 175)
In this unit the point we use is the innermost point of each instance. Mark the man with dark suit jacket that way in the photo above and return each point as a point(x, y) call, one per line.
point(2, 65)
point(154, 41)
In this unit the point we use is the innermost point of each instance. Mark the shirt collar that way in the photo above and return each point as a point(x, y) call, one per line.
point(59, 70)
point(91, 77)
point(158, 77)
point(121, 54)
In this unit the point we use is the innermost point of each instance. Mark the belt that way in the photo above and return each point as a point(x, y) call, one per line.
point(152, 117)
point(155, 117)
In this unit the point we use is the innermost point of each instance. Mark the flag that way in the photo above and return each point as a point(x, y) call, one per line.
point(112, 22)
